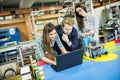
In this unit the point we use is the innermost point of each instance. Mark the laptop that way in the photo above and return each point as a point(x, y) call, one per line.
point(65, 61)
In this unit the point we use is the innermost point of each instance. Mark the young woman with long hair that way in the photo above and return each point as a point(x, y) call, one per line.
point(46, 43)
point(88, 24)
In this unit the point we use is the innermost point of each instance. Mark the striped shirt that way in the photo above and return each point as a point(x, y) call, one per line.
point(40, 51)
point(90, 23)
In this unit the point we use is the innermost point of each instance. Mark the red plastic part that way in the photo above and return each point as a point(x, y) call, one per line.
point(40, 63)
point(117, 41)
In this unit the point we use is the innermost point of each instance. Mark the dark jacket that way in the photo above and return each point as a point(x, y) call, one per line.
point(73, 37)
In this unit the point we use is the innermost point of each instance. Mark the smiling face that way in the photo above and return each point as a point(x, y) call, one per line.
point(52, 35)
point(67, 29)
point(81, 12)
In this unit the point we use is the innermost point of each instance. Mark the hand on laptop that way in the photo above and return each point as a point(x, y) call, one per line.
point(54, 63)
point(66, 52)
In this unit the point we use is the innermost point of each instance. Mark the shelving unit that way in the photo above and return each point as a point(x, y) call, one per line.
point(19, 19)
point(98, 3)
point(38, 20)
point(12, 21)
point(7, 59)
point(107, 31)
point(49, 16)
point(24, 50)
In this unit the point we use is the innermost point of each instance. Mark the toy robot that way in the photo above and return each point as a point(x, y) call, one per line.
point(91, 48)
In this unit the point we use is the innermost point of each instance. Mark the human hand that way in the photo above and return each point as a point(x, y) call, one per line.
point(90, 32)
point(67, 52)
point(54, 63)
point(65, 38)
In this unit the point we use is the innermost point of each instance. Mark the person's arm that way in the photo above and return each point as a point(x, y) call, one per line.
point(48, 61)
point(60, 45)
point(73, 43)
point(84, 34)
point(74, 40)
point(90, 27)
point(90, 32)
point(66, 39)
point(96, 28)
point(63, 49)
point(39, 54)
point(39, 51)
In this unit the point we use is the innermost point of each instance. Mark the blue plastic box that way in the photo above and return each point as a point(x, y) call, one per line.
point(9, 35)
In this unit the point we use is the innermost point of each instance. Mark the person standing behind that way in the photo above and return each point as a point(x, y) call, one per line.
point(87, 23)
point(68, 34)
point(45, 44)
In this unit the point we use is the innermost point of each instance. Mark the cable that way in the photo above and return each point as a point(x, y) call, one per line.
point(8, 71)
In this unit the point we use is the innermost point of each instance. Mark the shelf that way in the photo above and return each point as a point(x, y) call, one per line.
point(11, 21)
point(98, 4)
point(49, 16)
point(8, 48)
point(8, 62)
point(22, 55)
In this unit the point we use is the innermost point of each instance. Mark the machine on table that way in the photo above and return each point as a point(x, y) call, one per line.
point(93, 49)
